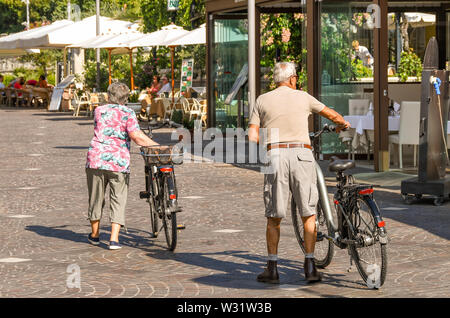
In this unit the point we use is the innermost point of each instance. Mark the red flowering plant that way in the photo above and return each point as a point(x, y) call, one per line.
point(283, 39)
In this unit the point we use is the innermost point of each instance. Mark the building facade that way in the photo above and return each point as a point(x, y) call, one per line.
point(345, 50)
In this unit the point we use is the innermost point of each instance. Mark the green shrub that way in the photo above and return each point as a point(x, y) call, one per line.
point(177, 116)
point(410, 65)
point(7, 78)
point(51, 78)
point(359, 70)
point(27, 74)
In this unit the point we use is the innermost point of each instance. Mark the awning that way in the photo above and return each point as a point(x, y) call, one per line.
point(73, 33)
point(197, 36)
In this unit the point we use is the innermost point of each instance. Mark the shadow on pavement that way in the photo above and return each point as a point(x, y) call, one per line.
point(243, 275)
point(133, 238)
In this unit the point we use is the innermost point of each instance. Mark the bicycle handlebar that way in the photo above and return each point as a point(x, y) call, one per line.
point(326, 129)
point(154, 124)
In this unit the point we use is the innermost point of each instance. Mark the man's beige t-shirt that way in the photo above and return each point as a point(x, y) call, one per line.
point(285, 110)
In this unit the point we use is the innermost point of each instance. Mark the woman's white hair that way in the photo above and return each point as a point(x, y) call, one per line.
point(118, 93)
point(283, 71)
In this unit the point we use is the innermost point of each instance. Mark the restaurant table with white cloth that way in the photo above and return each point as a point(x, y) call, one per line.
point(362, 124)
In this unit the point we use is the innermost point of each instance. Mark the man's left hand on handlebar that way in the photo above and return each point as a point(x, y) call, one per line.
point(341, 127)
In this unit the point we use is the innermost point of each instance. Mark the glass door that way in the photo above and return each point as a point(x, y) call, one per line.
point(346, 70)
point(229, 62)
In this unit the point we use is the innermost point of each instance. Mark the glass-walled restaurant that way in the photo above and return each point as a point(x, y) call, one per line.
point(346, 53)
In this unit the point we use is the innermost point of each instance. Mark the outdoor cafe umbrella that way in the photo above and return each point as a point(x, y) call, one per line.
point(414, 19)
point(17, 52)
point(160, 38)
point(197, 36)
point(113, 42)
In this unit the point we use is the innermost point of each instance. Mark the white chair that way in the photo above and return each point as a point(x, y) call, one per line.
point(409, 129)
point(204, 113)
point(185, 107)
point(168, 109)
point(81, 102)
point(355, 107)
point(196, 108)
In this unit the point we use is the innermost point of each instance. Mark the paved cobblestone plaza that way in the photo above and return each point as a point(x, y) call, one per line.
point(43, 210)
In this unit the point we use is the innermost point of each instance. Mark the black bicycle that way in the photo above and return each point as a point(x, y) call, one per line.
point(160, 184)
point(360, 227)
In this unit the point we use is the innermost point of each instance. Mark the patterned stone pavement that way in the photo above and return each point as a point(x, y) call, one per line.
point(43, 229)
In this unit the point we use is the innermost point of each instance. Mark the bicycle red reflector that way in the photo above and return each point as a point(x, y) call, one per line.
point(366, 191)
point(166, 169)
point(172, 197)
point(336, 202)
point(381, 224)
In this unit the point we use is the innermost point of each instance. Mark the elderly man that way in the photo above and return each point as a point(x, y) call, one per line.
point(166, 88)
point(284, 113)
point(108, 161)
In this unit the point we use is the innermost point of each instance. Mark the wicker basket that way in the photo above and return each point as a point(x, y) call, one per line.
point(162, 155)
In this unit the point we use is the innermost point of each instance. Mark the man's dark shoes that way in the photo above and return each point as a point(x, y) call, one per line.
point(270, 274)
point(311, 273)
point(93, 240)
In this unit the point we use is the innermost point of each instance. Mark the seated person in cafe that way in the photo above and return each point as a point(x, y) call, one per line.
point(42, 82)
point(32, 82)
point(19, 85)
point(151, 93)
point(166, 88)
point(155, 88)
point(11, 84)
point(2, 85)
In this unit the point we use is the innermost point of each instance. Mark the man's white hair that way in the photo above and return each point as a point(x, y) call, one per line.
point(283, 71)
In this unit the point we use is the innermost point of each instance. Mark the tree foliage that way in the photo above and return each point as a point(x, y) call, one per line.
point(152, 14)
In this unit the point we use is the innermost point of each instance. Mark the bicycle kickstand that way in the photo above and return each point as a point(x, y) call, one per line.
point(351, 267)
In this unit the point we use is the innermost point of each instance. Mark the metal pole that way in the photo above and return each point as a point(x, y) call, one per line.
point(98, 50)
point(130, 52)
point(172, 51)
point(251, 56)
point(109, 63)
point(68, 10)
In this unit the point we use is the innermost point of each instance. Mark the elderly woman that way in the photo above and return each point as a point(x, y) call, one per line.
point(108, 161)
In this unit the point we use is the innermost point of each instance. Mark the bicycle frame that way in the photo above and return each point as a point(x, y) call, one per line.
point(324, 201)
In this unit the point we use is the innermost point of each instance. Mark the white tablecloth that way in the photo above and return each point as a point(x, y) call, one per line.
point(364, 123)
point(361, 123)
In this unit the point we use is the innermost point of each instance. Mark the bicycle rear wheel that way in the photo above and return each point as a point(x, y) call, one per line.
point(169, 217)
point(324, 249)
point(369, 254)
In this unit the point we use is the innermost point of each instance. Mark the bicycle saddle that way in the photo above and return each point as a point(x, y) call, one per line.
point(337, 164)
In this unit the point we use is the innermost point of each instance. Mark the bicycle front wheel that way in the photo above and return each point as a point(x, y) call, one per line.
point(169, 217)
point(324, 249)
point(153, 218)
point(154, 226)
point(369, 254)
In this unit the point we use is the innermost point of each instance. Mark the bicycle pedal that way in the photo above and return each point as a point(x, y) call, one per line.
point(181, 227)
point(144, 195)
point(320, 237)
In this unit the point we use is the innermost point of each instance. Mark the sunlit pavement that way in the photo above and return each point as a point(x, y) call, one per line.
point(43, 230)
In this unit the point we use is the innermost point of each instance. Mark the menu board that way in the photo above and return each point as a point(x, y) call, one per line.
point(187, 71)
point(238, 83)
point(58, 91)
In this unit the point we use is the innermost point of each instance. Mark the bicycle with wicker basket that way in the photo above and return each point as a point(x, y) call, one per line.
point(160, 185)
